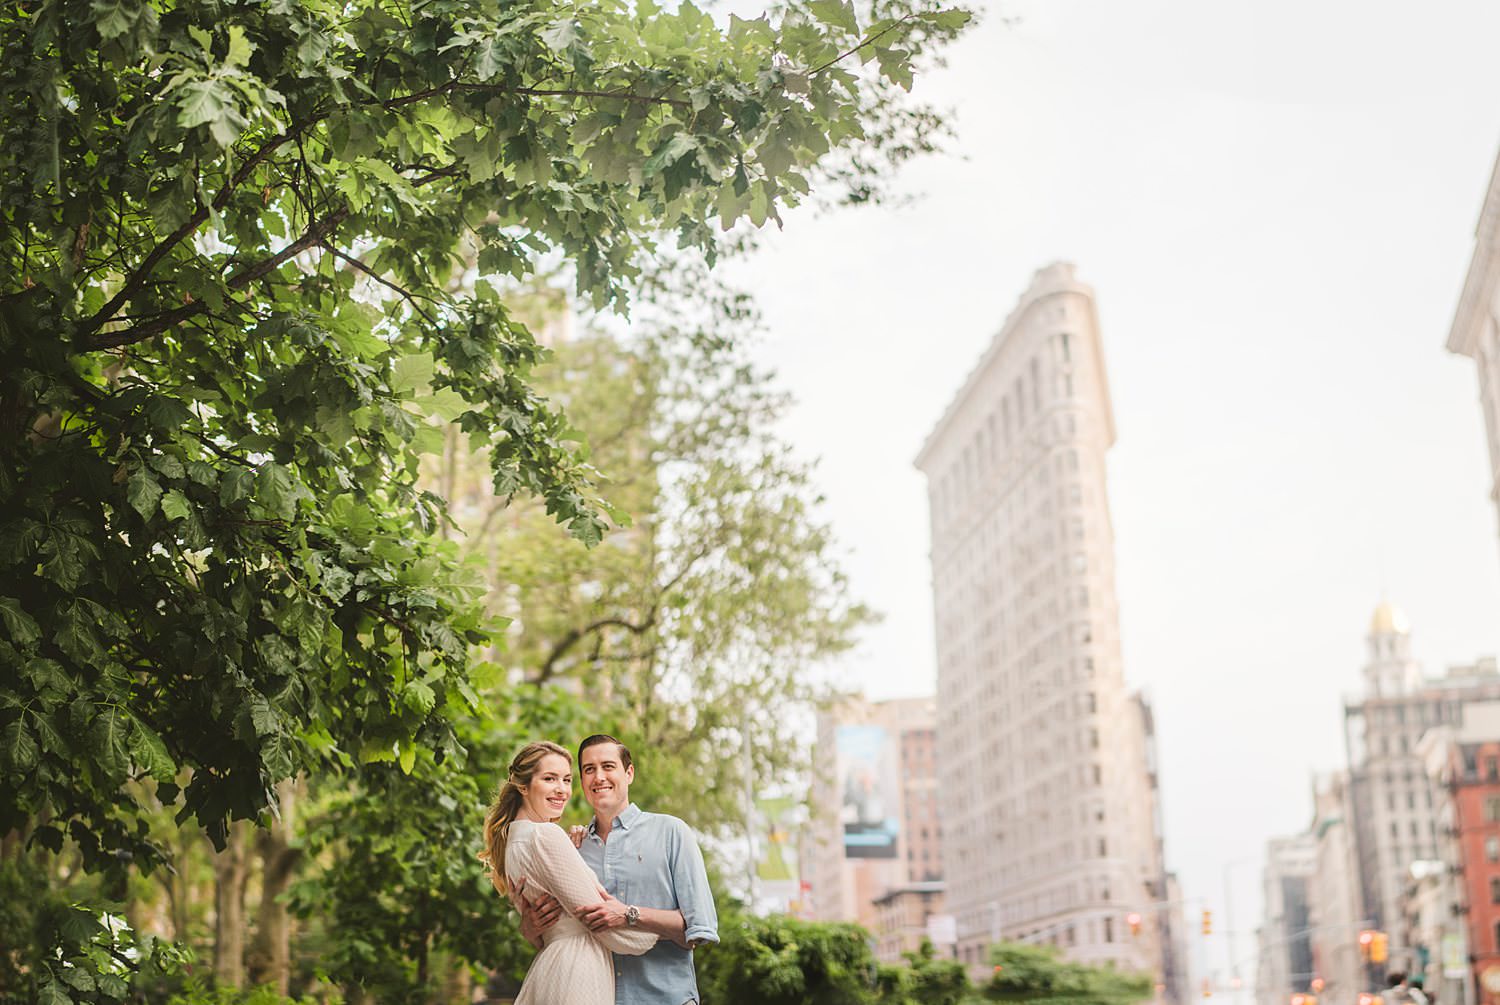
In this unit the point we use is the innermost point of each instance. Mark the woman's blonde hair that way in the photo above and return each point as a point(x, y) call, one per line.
point(508, 803)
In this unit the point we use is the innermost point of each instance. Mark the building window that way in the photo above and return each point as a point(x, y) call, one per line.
point(1492, 849)
point(1492, 809)
point(1495, 889)
point(1109, 929)
point(1497, 936)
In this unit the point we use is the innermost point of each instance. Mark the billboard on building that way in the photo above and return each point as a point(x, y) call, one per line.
point(870, 791)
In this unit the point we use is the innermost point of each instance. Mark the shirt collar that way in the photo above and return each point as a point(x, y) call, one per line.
point(629, 815)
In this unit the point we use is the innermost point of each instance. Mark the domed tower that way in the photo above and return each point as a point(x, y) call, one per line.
point(1391, 670)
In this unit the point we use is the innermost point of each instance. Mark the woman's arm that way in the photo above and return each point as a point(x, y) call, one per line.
point(564, 875)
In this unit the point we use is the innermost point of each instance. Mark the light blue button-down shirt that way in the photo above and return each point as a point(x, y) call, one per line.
point(652, 860)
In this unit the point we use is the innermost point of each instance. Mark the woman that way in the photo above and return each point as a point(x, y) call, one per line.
point(522, 839)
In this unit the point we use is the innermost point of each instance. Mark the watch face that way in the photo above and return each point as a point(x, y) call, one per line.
point(632, 915)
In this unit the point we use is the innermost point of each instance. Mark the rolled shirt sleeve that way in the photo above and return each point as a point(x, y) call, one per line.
point(694, 898)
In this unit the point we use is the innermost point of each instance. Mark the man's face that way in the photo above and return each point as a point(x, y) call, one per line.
point(606, 781)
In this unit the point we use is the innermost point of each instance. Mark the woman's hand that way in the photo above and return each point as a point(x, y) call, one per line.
point(576, 834)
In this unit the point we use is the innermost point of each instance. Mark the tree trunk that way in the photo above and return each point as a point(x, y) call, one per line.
point(231, 869)
point(269, 959)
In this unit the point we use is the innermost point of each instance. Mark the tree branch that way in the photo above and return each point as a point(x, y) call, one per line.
point(575, 635)
point(411, 298)
point(315, 235)
point(137, 278)
point(538, 92)
point(864, 42)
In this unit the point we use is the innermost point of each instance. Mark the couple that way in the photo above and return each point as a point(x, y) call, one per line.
point(634, 885)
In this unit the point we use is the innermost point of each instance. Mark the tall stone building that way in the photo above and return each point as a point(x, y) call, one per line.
point(1476, 330)
point(1394, 802)
point(1053, 840)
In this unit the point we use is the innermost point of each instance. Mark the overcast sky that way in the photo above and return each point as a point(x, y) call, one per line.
point(1275, 205)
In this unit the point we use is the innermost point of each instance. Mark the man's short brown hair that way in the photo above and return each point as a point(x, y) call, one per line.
point(603, 738)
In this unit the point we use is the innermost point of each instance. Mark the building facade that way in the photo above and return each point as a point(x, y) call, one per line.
point(1285, 950)
point(1394, 801)
point(1462, 949)
point(903, 918)
point(1476, 331)
point(875, 827)
point(1335, 908)
point(1054, 840)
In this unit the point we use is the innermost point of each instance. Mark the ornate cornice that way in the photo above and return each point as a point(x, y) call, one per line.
point(1480, 283)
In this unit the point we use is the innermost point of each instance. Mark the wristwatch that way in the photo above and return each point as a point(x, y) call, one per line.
point(632, 916)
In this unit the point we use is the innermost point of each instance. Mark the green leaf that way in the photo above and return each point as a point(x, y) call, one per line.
point(408, 758)
point(559, 35)
point(142, 491)
point(201, 102)
point(18, 746)
point(445, 403)
point(149, 752)
point(277, 490)
point(51, 993)
point(236, 484)
point(107, 736)
point(175, 506)
point(20, 626)
point(78, 978)
point(114, 18)
point(240, 47)
point(490, 57)
point(412, 372)
point(418, 697)
point(835, 14)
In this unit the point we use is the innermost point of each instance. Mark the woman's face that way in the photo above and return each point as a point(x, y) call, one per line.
point(550, 789)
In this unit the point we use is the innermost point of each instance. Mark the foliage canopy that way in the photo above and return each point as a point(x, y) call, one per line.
point(243, 259)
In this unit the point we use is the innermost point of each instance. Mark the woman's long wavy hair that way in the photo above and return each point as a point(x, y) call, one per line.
point(508, 803)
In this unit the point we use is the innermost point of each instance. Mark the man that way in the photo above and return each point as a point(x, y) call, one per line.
point(652, 870)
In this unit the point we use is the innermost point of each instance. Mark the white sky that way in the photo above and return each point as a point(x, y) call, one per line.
point(1274, 202)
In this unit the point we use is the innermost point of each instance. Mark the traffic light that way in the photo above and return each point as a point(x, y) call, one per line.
point(1366, 943)
point(1208, 989)
point(1379, 948)
point(1208, 922)
point(1133, 919)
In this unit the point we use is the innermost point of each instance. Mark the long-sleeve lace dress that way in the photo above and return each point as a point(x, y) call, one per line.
point(574, 966)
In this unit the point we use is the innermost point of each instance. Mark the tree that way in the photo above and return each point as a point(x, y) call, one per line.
point(1038, 974)
point(227, 340)
point(701, 626)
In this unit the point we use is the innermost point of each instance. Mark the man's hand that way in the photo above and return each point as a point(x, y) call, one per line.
point(536, 917)
point(609, 913)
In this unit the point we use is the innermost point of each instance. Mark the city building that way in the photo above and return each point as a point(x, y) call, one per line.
point(1459, 929)
point(1335, 908)
point(875, 830)
point(1285, 951)
point(1430, 924)
point(1055, 839)
point(903, 918)
point(1474, 332)
point(1393, 800)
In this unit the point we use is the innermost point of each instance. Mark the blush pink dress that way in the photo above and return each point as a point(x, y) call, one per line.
point(574, 966)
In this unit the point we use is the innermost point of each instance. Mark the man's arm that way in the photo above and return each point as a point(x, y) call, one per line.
point(537, 917)
point(661, 922)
